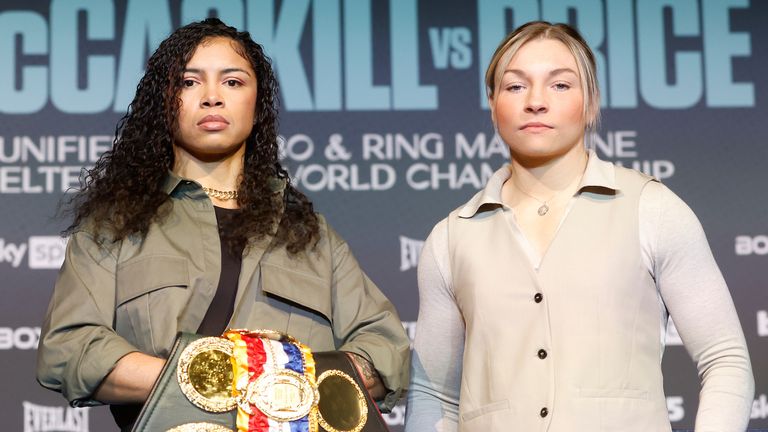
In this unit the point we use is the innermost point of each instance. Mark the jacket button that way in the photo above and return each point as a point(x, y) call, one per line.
point(542, 355)
point(538, 297)
point(544, 411)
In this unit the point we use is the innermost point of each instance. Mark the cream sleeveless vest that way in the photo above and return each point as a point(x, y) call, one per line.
point(574, 346)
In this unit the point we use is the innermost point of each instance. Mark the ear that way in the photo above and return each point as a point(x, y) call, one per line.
point(491, 106)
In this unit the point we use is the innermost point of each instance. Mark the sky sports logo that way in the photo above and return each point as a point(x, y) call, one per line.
point(44, 252)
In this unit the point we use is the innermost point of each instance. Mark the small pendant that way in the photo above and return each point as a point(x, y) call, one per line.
point(543, 209)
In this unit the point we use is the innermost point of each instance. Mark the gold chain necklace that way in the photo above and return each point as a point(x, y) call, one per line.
point(220, 195)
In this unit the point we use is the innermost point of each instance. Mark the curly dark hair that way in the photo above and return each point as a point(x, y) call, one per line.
point(123, 193)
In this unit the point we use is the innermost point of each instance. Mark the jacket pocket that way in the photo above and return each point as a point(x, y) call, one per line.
point(307, 299)
point(621, 409)
point(470, 417)
point(152, 293)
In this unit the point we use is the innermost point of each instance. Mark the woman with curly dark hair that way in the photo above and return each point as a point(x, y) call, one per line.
point(191, 224)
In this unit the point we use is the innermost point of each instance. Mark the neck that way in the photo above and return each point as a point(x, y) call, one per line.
point(551, 176)
point(221, 174)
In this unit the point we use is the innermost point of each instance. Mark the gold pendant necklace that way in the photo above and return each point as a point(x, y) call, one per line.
point(543, 208)
point(220, 195)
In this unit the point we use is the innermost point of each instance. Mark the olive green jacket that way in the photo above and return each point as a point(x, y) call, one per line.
point(111, 299)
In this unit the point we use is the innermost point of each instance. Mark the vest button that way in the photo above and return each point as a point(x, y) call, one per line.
point(542, 354)
point(538, 297)
point(544, 411)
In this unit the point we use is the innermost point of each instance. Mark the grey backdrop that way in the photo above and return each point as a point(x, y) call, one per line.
point(385, 129)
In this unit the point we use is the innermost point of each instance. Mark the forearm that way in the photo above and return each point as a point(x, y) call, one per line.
point(430, 409)
point(436, 366)
point(726, 401)
point(370, 377)
point(367, 324)
point(728, 385)
point(131, 380)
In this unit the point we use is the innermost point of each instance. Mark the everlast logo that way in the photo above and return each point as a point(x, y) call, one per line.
point(41, 418)
point(409, 252)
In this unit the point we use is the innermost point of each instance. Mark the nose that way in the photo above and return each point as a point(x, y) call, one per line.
point(536, 102)
point(536, 108)
point(211, 98)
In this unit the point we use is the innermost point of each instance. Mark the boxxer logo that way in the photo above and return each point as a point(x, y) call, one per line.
point(41, 418)
point(23, 338)
point(749, 245)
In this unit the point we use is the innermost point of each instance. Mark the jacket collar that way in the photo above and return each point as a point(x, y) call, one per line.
point(172, 181)
point(599, 174)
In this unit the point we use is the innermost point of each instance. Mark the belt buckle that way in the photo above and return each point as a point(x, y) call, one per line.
point(282, 395)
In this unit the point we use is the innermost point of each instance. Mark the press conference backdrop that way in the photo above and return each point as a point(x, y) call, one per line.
point(385, 126)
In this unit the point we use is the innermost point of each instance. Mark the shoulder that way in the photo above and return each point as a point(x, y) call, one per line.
point(668, 226)
point(328, 238)
point(329, 248)
point(435, 253)
point(438, 237)
point(659, 202)
point(629, 177)
point(96, 239)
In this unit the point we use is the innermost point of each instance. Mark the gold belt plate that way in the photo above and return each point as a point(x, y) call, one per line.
point(342, 406)
point(200, 427)
point(205, 374)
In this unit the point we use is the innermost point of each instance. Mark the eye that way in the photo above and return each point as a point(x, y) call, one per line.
point(232, 83)
point(187, 82)
point(561, 86)
point(515, 88)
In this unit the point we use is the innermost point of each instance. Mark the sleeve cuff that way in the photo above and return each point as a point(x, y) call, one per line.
point(94, 366)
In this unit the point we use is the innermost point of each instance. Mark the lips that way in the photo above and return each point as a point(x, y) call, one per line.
point(535, 126)
point(213, 123)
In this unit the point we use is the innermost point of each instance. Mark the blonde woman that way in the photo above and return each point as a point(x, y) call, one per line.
point(544, 299)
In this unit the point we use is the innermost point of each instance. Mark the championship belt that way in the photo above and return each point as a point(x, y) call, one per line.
point(257, 381)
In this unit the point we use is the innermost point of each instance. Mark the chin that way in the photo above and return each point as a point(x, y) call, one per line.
point(537, 156)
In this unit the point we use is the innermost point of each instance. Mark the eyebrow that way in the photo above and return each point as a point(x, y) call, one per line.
point(553, 72)
point(224, 71)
